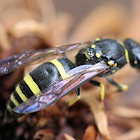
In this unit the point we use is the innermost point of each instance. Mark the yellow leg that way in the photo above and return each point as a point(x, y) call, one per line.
point(120, 87)
point(71, 102)
point(102, 93)
point(123, 88)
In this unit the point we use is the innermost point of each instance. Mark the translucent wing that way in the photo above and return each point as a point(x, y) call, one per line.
point(77, 77)
point(16, 61)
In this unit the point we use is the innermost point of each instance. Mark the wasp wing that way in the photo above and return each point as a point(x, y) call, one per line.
point(16, 61)
point(77, 77)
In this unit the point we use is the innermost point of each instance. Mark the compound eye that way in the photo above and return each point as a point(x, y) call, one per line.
point(112, 63)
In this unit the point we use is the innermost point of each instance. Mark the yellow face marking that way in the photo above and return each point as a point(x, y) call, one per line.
point(93, 46)
point(135, 62)
point(14, 100)
point(113, 71)
point(98, 55)
point(31, 84)
point(87, 56)
point(22, 96)
point(126, 52)
point(60, 68)
point(97, 39)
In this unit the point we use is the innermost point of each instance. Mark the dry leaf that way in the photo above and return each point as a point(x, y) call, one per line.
point(67, 137)
point(97, 109)
point(90, 133)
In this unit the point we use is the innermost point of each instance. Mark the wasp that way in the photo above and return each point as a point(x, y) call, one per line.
point(64, 69)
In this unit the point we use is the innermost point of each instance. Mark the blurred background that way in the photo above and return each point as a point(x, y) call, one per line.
point(27, 25)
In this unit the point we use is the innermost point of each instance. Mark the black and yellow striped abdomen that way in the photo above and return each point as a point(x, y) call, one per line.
point(35, 82)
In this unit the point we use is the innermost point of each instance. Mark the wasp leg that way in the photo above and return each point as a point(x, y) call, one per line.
point(71, 102)
point(102, 93)
point(120, 87)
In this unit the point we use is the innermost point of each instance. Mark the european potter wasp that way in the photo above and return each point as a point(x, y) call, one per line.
point(64, 70)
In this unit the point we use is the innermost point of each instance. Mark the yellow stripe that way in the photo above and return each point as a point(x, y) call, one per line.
point(127, 56)
point(14, 100)
point(87, 56)
point(31, 84)
point(126, 52)
point(60, 68)
point(22, 96)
